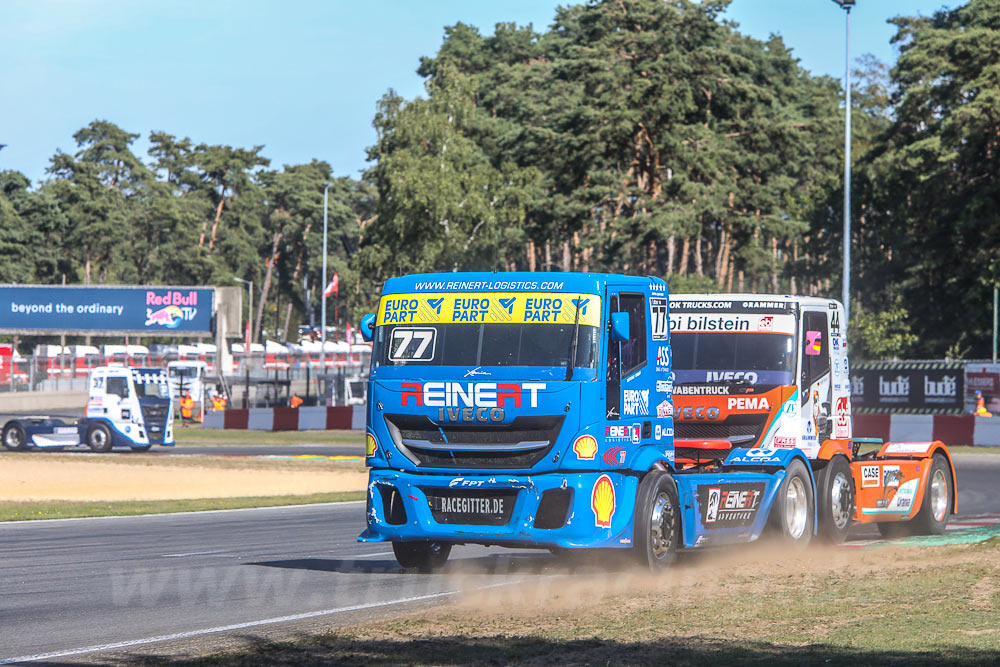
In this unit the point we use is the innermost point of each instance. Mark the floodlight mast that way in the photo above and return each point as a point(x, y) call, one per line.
point(845, 297)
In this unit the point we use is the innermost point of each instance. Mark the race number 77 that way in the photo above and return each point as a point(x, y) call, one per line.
point(658, 316)
point(412, 344)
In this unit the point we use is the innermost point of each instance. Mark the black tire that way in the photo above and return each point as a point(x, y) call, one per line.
point(792, 515)
point(99, 438)
point(424, 556)
point(835, 487)
point(657, 521)
point(140, 448)
point(932, 519)
point(14, 437)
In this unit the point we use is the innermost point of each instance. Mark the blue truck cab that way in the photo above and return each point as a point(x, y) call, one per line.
point(535, 410)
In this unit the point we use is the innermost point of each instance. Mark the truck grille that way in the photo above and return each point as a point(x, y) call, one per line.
point(735, 429)
point(520, 444)
point(154, 416)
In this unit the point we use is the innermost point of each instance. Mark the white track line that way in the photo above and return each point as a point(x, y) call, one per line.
point(197, 553)
point(15, 524)
point(239, 626)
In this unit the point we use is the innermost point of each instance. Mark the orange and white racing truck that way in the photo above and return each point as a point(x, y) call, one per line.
point(771, 372)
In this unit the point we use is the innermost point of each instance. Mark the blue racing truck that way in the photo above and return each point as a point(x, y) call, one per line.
point(535, 410)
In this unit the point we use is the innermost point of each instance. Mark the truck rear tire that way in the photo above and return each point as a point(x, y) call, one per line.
point(932, 519)
point(792, 514)
point(14, 437)
point(835, 486)
point(657, 522)
point(424, 556)
point(99, 438)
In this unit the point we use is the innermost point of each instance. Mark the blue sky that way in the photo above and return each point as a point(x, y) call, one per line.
point(301, 76)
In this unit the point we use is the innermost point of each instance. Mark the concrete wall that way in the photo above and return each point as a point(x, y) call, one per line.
point(42, 402)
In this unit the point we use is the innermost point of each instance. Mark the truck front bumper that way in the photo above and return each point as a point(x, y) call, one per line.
point(558, 509)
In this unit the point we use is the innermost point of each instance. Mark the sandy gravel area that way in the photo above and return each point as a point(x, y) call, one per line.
point(57, 478)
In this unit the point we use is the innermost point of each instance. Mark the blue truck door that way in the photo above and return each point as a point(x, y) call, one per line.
point(629, 376)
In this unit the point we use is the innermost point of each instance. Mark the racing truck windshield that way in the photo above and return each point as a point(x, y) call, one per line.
point(758, 358)
point(495, 329)
point(151, 384)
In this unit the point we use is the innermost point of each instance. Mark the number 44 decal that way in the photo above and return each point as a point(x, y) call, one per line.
point(835, 322)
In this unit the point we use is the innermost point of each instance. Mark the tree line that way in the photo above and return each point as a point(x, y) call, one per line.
point(635, 136)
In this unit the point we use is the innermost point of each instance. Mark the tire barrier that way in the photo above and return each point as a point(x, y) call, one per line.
point(341, 417)
point(950, 429)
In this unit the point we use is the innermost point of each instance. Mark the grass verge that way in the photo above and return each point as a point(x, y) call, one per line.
point(196, 435)
point(904, 606)
point(63, 509)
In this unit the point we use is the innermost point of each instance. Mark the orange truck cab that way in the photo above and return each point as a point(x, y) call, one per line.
point(771, 372)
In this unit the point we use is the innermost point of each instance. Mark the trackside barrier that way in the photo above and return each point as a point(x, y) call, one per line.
point(950, 429)
point(341, 417)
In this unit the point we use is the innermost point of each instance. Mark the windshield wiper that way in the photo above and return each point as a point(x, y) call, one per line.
point(571, 362)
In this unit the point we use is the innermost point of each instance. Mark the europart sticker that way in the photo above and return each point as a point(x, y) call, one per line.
point(871, 476)
point(636, 402)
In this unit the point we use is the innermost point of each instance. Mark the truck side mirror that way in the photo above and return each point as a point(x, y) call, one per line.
point(368, 327)
point(619, 327)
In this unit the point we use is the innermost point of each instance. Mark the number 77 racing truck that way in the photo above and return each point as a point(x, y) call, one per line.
point(536, 410)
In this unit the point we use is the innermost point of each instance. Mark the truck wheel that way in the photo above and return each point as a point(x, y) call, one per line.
point(14, 438)
point(424, 556)
point(932, 519)
point(792, 517)
point(836, 504)
point(99, 438)
point(657, 524)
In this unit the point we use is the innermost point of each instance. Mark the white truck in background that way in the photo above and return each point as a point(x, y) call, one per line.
point(126, 407)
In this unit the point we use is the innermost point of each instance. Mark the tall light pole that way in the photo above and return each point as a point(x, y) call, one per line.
point(846, 292)
point(322, 349)
point(246, 337)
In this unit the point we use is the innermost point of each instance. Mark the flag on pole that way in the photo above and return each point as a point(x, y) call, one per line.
point(333, 287)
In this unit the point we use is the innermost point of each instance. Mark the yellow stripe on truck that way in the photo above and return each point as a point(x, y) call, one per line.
point(489, 308)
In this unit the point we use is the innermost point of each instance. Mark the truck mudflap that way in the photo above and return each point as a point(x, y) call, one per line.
point(731, 504)
point(568, 510)
point(892, 483)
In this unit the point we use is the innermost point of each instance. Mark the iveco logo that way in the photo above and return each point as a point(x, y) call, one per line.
point(699, 413)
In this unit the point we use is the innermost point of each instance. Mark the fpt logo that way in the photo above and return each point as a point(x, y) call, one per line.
point(602, 501)
point(177, 307)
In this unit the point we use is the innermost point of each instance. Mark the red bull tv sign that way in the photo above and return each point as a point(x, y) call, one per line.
point(140, 310)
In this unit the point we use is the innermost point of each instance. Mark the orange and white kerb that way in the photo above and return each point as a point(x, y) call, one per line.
point(603, 502)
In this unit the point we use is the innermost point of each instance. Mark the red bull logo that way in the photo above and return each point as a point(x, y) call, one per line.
point(169, 317)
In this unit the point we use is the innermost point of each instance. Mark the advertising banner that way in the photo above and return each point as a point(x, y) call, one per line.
point(986, 379)
point(142, 310)
point(914, 387)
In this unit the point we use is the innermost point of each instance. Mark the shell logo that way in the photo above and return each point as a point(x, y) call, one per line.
point(585, 447)
point(603, 502)
point(370, 445)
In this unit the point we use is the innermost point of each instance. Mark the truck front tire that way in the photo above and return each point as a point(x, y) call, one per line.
point(792, 514)
point(99, 438)
point(835, 486)
point(657, 523)
point(14, 437)
point(424, 556)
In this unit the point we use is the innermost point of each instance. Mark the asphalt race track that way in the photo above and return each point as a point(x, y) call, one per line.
point(80, 587)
